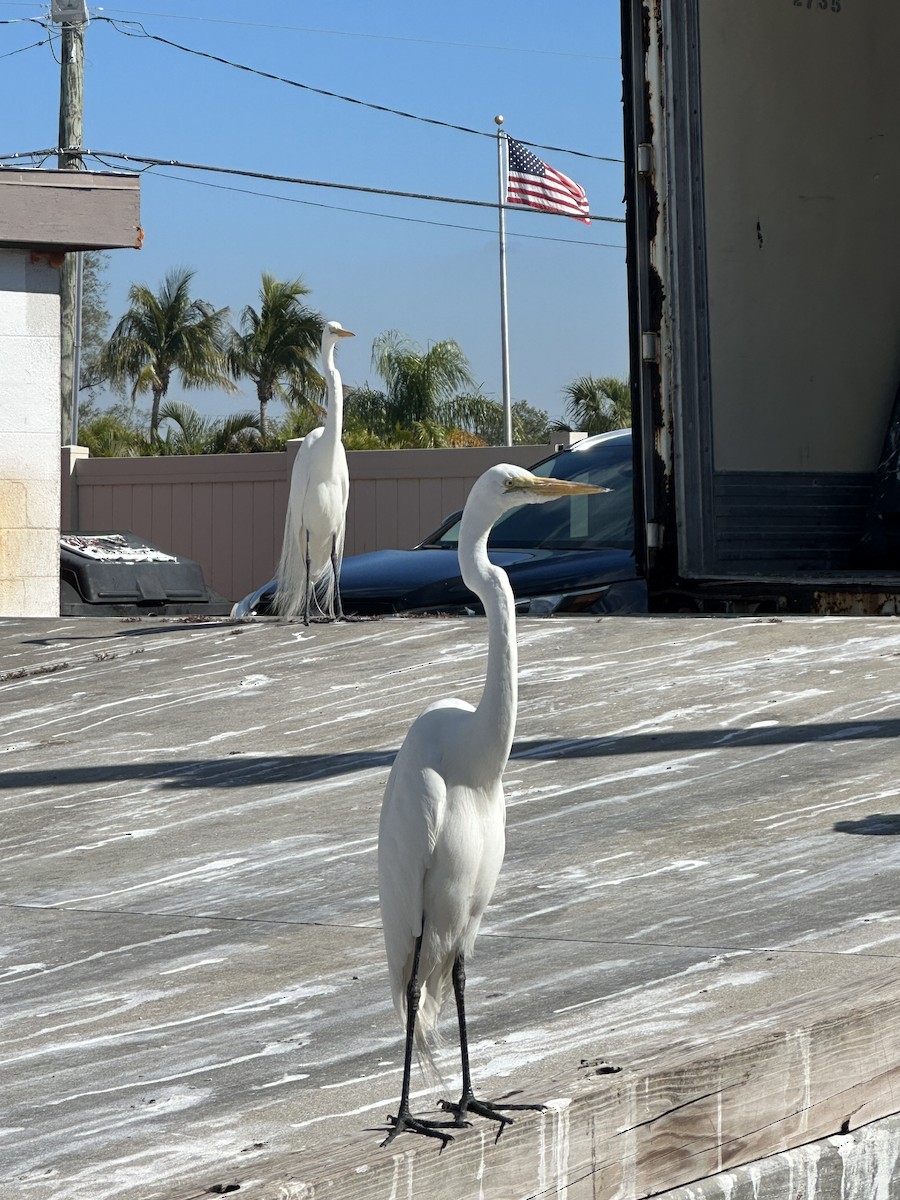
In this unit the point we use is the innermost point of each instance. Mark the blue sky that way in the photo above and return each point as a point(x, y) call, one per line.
point(372, 262)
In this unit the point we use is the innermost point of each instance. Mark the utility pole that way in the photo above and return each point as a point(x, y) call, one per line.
point(72, 15)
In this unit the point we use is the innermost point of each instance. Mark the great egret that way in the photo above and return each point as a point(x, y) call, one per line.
point(317, 506)
point(441, 837)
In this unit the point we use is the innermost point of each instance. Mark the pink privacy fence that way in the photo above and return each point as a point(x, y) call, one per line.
point(226, 511)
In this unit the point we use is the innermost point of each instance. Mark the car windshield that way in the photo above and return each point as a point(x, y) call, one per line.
point(572, 522)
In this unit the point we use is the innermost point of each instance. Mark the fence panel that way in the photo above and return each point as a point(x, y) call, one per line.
point(227, 510)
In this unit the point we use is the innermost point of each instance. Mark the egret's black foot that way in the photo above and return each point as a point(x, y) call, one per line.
point(491, 1112)
point(406, 1123)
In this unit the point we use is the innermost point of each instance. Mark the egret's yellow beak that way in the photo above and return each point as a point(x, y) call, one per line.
point(553, 487)
point(344, 333)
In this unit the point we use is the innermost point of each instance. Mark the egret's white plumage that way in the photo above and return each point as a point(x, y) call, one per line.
point(313, 546)
point(442, 832)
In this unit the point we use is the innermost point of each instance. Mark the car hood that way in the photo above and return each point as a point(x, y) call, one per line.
point(394, 580)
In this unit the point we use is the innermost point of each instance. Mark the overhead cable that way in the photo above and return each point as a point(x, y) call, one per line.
point(364, 212)
point(22, 49)
point(358, 33)
point(397, 112)
point(148, 162)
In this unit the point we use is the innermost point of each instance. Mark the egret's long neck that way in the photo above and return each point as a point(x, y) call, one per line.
point(334, 417)
point(495, 716)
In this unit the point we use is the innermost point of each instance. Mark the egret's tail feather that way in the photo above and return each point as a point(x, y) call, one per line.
point(324, 593)
point(427, 1040)
point(290, 595)
point(327, 596)
point(425, 1057)
point(291, 591)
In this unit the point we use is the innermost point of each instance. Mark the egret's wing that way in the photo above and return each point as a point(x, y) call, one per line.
point(304, 450)
point(411, 814)
point(303, 472)
point(291, 572)
point(343, 474)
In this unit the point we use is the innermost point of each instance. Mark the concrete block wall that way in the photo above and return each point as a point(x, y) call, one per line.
point(29, 435)
point(862, 1165)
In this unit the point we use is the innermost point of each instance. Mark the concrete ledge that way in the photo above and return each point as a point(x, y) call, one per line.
point(821, 1067)
point(856, 1166)
point(69, 210)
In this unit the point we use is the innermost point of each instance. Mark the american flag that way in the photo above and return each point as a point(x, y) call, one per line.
point(537, 185)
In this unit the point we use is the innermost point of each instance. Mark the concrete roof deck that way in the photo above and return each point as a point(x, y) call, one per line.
point(702, 830)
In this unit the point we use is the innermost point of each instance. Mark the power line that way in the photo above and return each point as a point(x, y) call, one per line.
point(22, 49)
point(224, 187)
point(26, 20)
point(382, 37)
point(32, 21)
point(143, 34)
point(101, 155)
point(396, 112)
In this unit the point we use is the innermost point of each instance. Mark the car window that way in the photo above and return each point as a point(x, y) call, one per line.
point(448, 540)
point(572, 522)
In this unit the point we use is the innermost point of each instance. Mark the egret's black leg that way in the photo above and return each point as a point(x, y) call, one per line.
point(336, 573)
point(306, 586)
point(467, 1102)
point(404, 1120)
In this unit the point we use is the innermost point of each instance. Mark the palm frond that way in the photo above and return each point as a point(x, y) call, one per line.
point(597, 405)
point(419, 382)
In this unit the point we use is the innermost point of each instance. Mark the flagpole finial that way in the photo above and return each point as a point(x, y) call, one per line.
point(498, 120)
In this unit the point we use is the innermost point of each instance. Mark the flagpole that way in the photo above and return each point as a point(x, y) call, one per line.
point(504, 323)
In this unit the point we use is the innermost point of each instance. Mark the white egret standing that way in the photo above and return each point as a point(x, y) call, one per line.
point(317, 506)
point(442, 833)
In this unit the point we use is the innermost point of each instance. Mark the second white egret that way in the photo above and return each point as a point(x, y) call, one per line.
point(309, 568)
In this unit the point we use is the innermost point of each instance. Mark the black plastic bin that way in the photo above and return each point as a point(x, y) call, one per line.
point(118, 574)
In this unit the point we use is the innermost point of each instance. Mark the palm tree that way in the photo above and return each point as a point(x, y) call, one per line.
point(420, 383)
point(277, 346)
point(432, 435)
point(192, 433)
point(162, 332)
point(431, 397)
point(107, 435)
point(367, 409)
point(598, 405)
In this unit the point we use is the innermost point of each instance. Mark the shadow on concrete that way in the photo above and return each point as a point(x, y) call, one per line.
point(677, 741)
point(244, 770)
point(238, 770)
point(874, 825)
point(133, 627)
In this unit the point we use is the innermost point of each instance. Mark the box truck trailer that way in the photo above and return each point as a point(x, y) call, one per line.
point(762, 147)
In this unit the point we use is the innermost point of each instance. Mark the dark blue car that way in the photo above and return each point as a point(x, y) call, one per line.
point(575, 554)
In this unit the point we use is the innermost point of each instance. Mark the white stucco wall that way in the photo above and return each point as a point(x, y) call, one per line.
point(29, 436)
